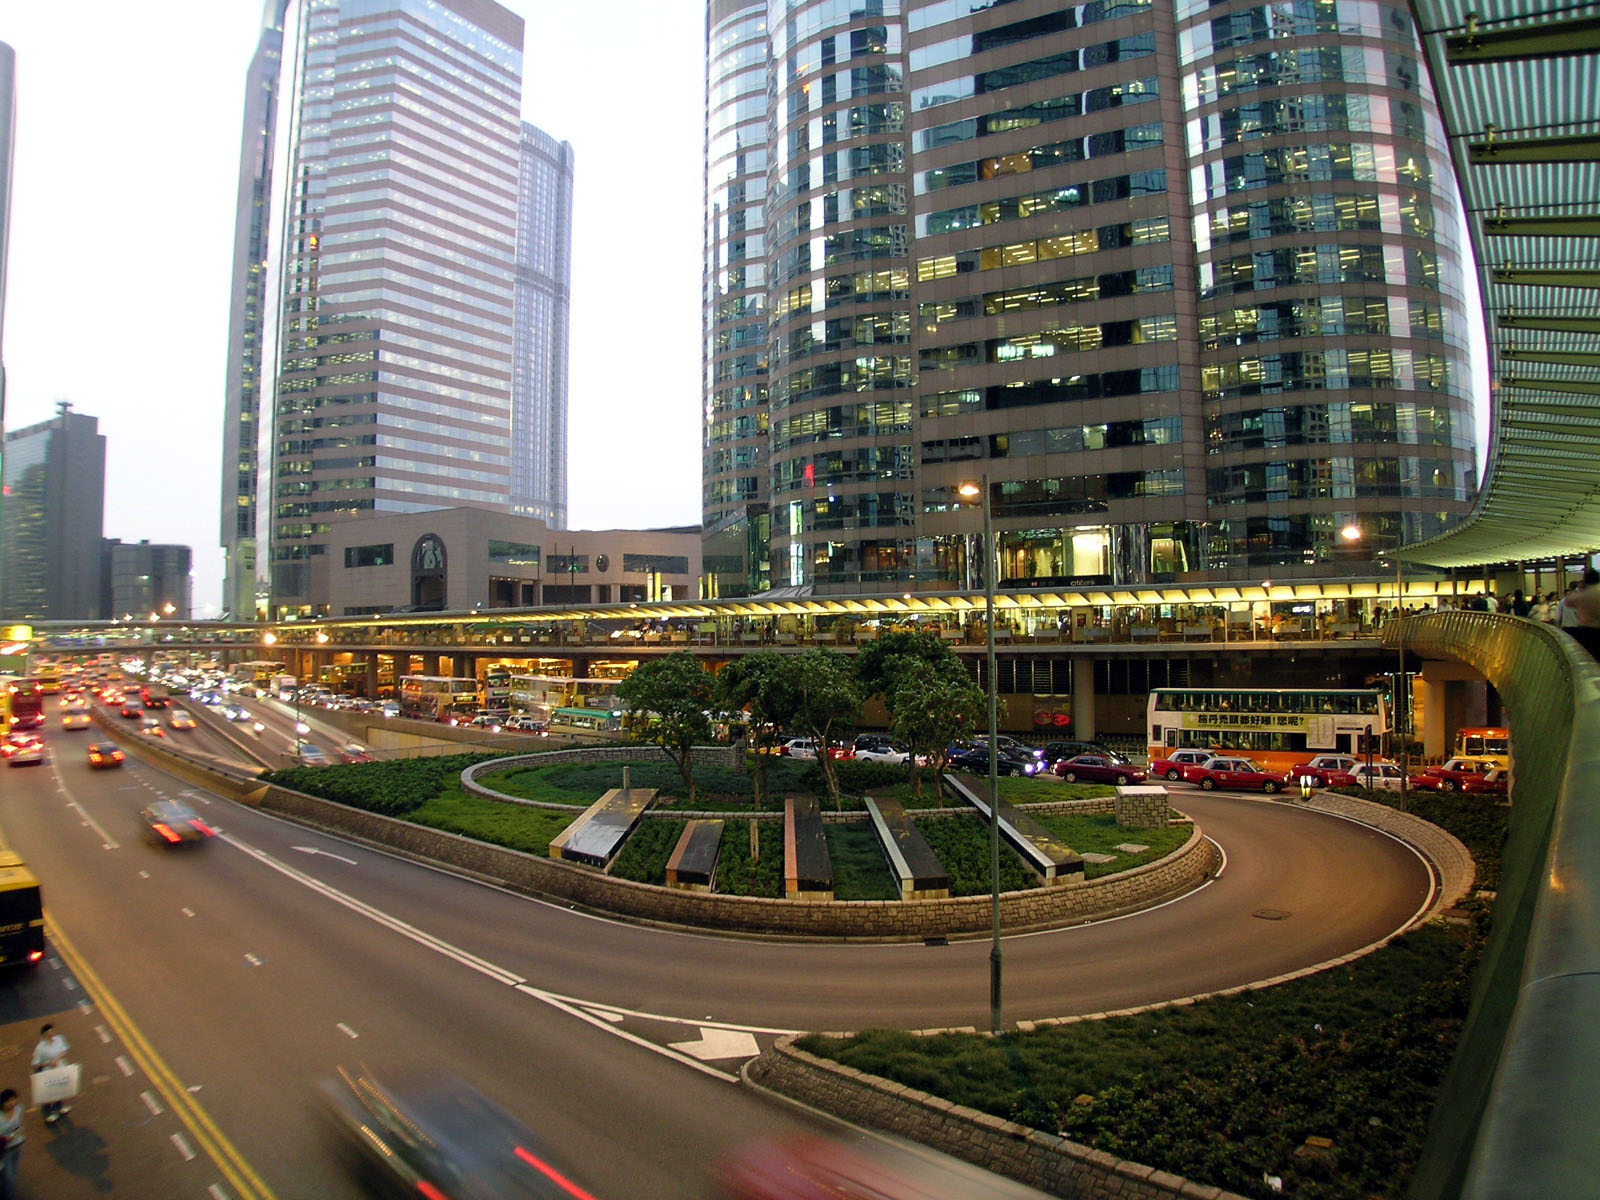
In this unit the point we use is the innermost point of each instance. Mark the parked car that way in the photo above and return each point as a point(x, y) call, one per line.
point(1234, 774)
point(1097, 768)
point(1019, 748)
point(1378, 777)
point(1054, 752)
point(885, 752)
point(103, 755)
point(976, 760)
point(1325, 770)
point(806, 750)
point(1178, 763)
point(1452, 774)
point(873, 741)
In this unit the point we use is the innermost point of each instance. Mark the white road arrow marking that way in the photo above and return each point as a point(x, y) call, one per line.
point(719, 1043)
point(324, 853)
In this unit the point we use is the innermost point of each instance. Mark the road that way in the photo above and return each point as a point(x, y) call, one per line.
point(255, 966)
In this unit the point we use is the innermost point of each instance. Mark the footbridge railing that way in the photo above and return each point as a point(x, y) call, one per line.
point(1520, 1104)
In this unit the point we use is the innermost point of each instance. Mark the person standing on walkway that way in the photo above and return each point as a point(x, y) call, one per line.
point(51, 1052)
point(11, 1139)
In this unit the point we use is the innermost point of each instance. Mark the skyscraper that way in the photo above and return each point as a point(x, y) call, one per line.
point(542, 306)
point(241, 425)
point(413, 337)
point(55, 482)
point(1180, 280)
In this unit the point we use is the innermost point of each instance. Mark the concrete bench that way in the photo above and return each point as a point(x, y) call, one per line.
point(1045, 855)
point(807, 866)
point(596, 836)
point(693, 865)
point(920, 873)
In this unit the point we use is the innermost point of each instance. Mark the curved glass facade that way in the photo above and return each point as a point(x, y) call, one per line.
point(1173, 276)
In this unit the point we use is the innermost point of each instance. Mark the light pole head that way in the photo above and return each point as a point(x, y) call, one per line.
point(970, 490)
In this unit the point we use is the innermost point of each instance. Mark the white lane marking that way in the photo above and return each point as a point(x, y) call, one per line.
point(183, 1146)
point(465, 958)
point(216, 1193)
point(55, 964)
point(144, 874)
point(70, 983)
point(152, 1104)
point(557, 1003)
point(124, 1065)
point(188, 912)
point(346, 1030)
point(717, 1044)
point(324, 853)
point(252, 960)
point(107, 842)
point(101, 1032)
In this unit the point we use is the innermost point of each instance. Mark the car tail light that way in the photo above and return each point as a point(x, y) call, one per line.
point(432, 1193)
point(165, 831)
point(204, 828)
point(35, 956)
point(550, 1173)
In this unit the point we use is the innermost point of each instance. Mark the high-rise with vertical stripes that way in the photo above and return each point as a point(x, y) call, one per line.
point(1180, 280)
point(413, 327)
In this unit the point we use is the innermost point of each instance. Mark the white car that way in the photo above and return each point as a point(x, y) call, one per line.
point(897, 755)
point(1379, 777)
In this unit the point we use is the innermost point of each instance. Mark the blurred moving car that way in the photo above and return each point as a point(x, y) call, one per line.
point(353, 753)
point(1325, 770)
point(1234, 774)
point(1453, 774)
point(76, 718)
point(528, 725)
point(1096, 768)
point(312, 756)
point(152, 727)
point(976, 760)
point(807, 1167)
point(105, 754)
point(235, 712)
point(435, 1135)
point(1178, 763)
point(131, 708)
point(181, 720)
point(23, 750)
point(168, 823)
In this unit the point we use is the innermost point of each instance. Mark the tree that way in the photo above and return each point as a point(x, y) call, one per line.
point(671, 700)
point(825, 699)
point(880, 658)
point(760, 686)
point(933, 706)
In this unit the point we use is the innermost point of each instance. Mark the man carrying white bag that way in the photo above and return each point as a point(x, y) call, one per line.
point(55, 1080)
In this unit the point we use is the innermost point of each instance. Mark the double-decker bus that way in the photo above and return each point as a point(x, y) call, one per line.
point(1485, 741)
point(1278, 727)
point(21, 913)
point(438, 698)
point(256, 674)
point(26, 703)
point(497, 690)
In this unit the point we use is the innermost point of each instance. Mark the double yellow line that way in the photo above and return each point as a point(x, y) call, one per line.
point(211, 1140)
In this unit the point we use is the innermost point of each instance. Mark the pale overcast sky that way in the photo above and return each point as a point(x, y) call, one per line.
point(127, 151)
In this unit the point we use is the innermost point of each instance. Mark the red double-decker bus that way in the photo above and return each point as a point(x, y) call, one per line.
point(27, 703)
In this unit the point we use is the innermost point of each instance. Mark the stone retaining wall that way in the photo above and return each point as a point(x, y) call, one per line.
point(715, 756)
point(1041, 1160)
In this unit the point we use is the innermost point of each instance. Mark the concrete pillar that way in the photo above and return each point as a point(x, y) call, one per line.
point(430, 664)
point(371, 690)
point(1083, 722)
point(1434, 698)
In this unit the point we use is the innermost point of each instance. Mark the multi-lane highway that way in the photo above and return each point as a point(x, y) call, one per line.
point(209, 991)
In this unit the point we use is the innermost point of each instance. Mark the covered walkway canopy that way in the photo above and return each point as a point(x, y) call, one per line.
point(1519, 89)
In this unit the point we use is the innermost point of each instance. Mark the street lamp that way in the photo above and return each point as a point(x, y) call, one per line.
point(971, 491)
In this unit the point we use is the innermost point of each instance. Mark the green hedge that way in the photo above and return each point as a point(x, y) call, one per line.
point(644, 855)
point(394, 788)
point(738, 874)
point(962, 846)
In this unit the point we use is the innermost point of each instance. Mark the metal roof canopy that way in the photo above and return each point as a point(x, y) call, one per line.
point(1517, 86)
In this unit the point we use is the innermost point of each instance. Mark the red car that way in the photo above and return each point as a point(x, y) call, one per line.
point(1496, 782)
point(1096, 768)
point(1235, 774)
point(1325, 770)
point(1453, 774)
point(1178, 763)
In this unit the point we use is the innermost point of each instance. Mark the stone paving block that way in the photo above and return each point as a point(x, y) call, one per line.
point(1089, 856)
point(1130, 848)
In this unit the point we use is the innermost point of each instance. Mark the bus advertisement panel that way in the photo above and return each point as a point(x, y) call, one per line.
point(1277, 727)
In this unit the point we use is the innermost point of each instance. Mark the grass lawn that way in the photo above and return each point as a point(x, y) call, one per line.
point(510, 825)
point(1099, 833)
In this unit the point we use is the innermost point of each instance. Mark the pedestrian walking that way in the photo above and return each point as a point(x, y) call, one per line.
point(1566, 615)
point(51, 1052)
point(1585, 603)
point(11, 1138)
point(1519, 604)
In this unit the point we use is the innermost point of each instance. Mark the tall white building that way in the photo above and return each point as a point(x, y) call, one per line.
point(397, 275)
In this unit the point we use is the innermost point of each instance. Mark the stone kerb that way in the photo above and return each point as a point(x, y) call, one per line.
point(1044, 1161)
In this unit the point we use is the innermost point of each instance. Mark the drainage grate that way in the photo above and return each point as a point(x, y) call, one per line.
point(1271, 914)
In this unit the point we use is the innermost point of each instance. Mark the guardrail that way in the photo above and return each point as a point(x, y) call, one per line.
point(1519, 1107)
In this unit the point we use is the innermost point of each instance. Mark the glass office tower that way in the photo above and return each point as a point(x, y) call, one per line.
point(1013, 239)
point(395, 247)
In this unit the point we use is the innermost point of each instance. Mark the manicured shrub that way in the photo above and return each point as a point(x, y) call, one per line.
point(962, 846)
point(393, 788)
point(644, 855)
point(740, 875)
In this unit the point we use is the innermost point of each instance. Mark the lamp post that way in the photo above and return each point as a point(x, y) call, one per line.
point(971, 490)
point(1401, 708)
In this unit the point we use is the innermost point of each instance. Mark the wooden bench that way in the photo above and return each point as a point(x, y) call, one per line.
point(1045, 855)
point(596, 836)
point(922, 876)
point(807, 866)
point(693, 865)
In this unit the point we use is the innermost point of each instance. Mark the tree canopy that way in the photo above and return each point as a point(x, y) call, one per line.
point(671, 700)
